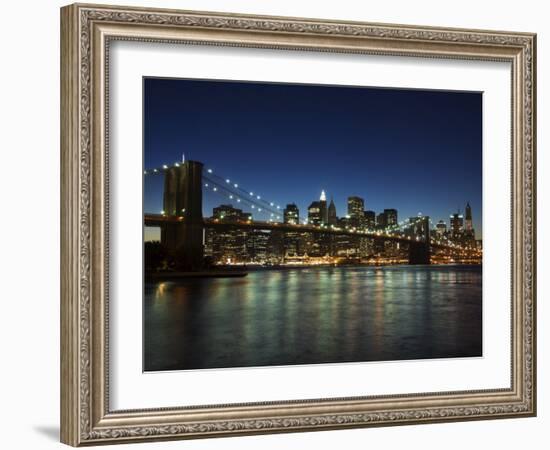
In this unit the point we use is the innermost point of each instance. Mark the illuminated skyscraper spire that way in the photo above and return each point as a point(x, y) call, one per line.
point(323, 207)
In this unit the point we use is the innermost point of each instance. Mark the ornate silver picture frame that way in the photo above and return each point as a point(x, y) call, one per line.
point(87, 32)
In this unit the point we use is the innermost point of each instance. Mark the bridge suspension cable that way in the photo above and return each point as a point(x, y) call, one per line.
point(222, 190)
point(232, 190)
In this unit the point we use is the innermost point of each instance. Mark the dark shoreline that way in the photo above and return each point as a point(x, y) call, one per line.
point(242, 271)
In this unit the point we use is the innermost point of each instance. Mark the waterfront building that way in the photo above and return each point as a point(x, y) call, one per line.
point(332, 217)
point(441, 228)
point(356, 211)
point(468, 224)
point(346, 246)
point(276, 247)
point(317, 214)
point(291, 214)
point(229, 246)
point(257, 246)
point(391, 217)
point(469, 233)
point(291, 239)
point(457, 226)
point(314, 213)
point(370, 219)
point(323, 208)
point(381, 221)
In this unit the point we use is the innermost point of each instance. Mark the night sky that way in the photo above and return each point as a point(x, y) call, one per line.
point(412, 150)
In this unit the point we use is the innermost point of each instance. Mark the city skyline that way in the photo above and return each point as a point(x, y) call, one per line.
point(417, 123)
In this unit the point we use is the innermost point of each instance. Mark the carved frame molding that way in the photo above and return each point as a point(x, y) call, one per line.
point(86, 33)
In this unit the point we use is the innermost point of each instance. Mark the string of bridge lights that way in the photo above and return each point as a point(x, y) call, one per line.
point(216, 183)
point(226, 193)
point(248, 194)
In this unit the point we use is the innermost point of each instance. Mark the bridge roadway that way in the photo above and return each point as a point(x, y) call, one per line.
point(158, 220)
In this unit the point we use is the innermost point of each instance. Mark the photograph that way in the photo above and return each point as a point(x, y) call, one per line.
point(288, 224)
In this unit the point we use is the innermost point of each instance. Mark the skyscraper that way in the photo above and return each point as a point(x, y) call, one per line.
point(291, 239)
point(391, 217)
point(356, 207)
point(457, 226)
point(381, 220)
point(314, 214)
point(441, 228)
point(370, 219)
point(468, 225)
point(291, 214)
point(332, 218)
point(323, 208)
point(229, 246)
point(469, 233)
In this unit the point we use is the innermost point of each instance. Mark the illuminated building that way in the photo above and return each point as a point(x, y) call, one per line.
point(257, 245)
point(441, 228)
point(381, 221)
point(291, 238)
point(391, 217)
point(291, 214)
point(370, 220)
point(317, 214)
point(314, 214)
point(229, 246)
point(356, 207)
point(457, 226)
point(332, 218)
point(323, 208)
point(346, 245)
point(468, 225)
point(469, 233)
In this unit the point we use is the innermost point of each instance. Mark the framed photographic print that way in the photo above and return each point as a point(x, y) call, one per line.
point(275, 224)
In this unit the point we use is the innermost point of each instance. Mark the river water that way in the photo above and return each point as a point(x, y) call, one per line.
point(314, 315)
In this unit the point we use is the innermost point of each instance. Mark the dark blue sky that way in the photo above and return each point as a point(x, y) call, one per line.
point(412, 150)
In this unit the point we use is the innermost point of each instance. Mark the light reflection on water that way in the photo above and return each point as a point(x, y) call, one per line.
point(317, 315)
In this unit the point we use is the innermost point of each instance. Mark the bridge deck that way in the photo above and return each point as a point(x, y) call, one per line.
point(158, 220)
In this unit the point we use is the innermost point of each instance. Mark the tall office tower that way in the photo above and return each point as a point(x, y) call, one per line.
point(257, 245)
point(441, 228)
point(468, 224)
point(323, 208)
point(291, 214)
point(229, 246)
point(381, 220)
point(291, 239)
point(332, 218)
point(314, 213)
point(370, 219)
point(391, 217)
point(457, 226)
point(356, 207)
point(469, 233)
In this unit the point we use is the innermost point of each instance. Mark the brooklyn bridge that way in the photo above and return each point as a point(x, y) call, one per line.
point(182, 224)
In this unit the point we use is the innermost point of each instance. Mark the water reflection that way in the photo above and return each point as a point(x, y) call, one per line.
point(307, 316)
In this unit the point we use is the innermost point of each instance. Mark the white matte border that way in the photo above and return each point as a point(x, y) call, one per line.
point(130, 388)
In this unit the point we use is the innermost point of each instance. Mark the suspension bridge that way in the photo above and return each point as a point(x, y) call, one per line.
point(182, 224)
